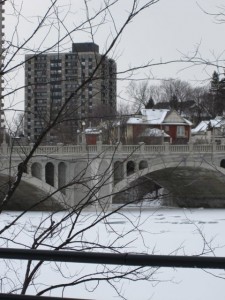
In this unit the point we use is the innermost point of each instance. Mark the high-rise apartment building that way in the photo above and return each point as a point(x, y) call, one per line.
point(1, 62)
point(81, 83)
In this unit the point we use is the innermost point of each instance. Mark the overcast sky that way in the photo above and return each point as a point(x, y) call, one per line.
point(168, 30)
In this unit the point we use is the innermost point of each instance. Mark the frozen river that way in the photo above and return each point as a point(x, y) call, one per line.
point(158, 231)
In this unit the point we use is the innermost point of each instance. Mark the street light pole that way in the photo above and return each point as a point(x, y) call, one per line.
point(78, 136)
point(83, 132)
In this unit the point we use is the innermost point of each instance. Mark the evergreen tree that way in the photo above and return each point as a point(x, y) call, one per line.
point(150, 104)
point(215, 82)
point(174, 102)
point(218, 93)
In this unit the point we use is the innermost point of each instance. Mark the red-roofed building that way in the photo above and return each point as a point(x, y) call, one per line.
point(173, 127)
point(92, 135)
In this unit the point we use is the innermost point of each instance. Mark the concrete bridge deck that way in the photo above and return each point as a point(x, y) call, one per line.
point(60, 149)
point(104, 172)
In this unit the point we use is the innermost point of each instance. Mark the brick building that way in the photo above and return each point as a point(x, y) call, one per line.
point(171, 127)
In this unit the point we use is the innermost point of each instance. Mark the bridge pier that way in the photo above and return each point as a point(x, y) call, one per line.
point(42, 172)
point(56, 176)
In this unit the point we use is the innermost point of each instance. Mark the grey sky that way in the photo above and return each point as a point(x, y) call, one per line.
point(166, 31)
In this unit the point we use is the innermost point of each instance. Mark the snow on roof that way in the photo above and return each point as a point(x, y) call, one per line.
point(149, 116)
point(188, 122)
point(201, 127)
point(155, 117)
point(134, 120)
point(92, 131)
point(217, 122)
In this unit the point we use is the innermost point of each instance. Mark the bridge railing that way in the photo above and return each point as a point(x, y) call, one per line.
point(179, 148)
point(154, 148)
point(100, 148)
point(220, 148)
point(204, 148)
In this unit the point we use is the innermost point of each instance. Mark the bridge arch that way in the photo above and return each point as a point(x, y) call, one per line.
point(185, 181)
point(36, 170)
point(222, 163)
point(143, 164)
point(49, 173)
point(130, 167)
point(161, 165)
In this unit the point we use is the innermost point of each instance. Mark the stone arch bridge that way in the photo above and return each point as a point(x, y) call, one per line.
point(192, 175)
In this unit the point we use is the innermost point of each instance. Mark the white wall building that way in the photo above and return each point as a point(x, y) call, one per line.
point(209, 131)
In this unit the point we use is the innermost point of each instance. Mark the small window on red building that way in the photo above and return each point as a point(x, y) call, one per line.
point(167, 128)
point(180, 131)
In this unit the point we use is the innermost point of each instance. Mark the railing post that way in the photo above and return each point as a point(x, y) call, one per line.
point(119, 146)
point(99, 146)
point(84, 147)
point(4, 148)
point(213, 147)
point(31, 145)
point(190, 144)
point(60, 147)
point(84, 143)
point(167, 149)
point(142, 147)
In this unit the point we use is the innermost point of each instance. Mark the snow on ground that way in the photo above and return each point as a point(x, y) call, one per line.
point(160, 231)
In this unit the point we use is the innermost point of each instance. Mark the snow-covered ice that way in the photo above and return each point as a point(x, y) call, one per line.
point(160, 231)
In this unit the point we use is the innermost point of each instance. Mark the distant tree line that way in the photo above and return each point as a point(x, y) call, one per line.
point(196, 103)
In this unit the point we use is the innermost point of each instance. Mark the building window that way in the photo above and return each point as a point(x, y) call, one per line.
point(180, 131)
point(167, 128)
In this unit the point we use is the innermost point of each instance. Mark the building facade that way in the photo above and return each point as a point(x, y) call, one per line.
point(81, 85)
point(1, 63)
point(210, 131)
